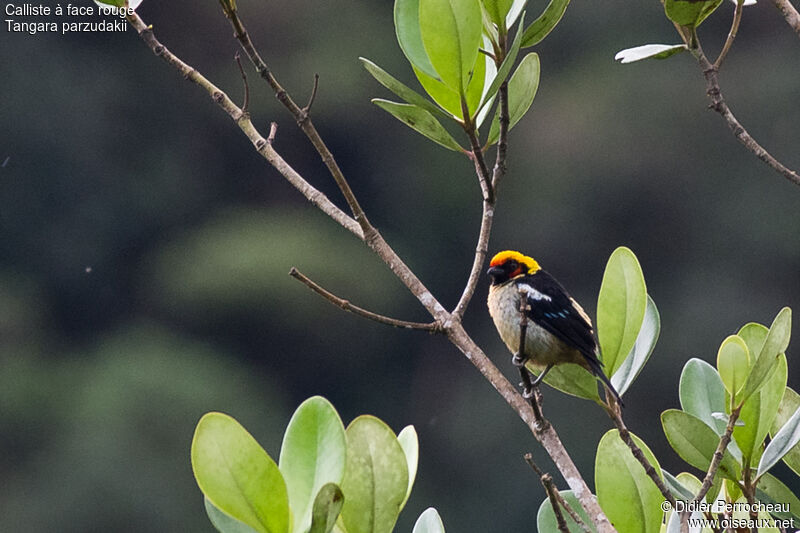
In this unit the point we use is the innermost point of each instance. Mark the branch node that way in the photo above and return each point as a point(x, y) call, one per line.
point(307, 109)
point(273, 129)
point(217, 96)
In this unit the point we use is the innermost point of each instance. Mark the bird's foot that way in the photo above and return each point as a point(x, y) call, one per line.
point(518, 359)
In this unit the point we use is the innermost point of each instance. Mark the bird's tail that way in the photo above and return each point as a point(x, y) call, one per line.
point(597, 370)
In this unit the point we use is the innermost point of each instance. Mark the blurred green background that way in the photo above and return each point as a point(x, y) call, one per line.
point(144, 248)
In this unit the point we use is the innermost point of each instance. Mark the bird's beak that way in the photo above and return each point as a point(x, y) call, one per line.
point(495, 271)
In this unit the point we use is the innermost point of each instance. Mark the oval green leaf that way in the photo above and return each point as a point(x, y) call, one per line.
point(238, 476)
point(451, 34)
point(759, 411)
point(376, 479)
point(702, 393)
point(649, 51)
point(429, 522)
point(497, 10)
point(733, 364)
point(677, 487)
point(632, 365)
point(571, 379)
point(406, 24)
point(400, 89)
point(789, 404)
point(505, 67)
point(693, 484)
point(313, 454)
point(421, 121)
point(776, 343)
point(690, 13)
point(542, 26)
point(754, 335)
point(771, 490)
point(410, 444)
point(327, 507)
point(626, 493)
point(695, 442)
point(546, 518)
point(621, 306)
point(522, 89)
point(223, 522)
point(783, 441)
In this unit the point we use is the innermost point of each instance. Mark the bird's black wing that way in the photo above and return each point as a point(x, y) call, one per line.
point(552, 308)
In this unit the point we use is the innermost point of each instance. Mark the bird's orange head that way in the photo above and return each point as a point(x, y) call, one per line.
point(510, 264)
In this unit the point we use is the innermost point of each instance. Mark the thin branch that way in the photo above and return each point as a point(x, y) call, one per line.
point(724, 441)
point(615, 413)
point(481, 251)
point(560, 499)
point(737, 18)
point(719, 105)
point(237, 56)
point(789, 13)
point(552, 494)
point(480, 163)
point(307, 109)
point(433, 327)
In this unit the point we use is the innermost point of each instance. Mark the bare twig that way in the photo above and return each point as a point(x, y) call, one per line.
point(737, 18)
point(719, 105)
point(724, 441)
point(273, 129)
point(789, 13)
point(433, 327)
point(477, 157)
point(481, 250)
point(307, 109)
point(553, 493)
point(246, 102)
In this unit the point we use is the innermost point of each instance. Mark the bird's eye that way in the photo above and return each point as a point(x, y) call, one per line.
point(511, 265)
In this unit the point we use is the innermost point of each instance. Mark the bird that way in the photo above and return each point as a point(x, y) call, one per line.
point(558, 329)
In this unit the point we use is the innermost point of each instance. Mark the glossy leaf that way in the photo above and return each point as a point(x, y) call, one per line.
point(649, 51)
point(695, 442)
point(406, 24)
point(327, 506)
point(546, 518)
point(626, 493)
point(410, 444)
point(522, 89)
point(376, 480)
point(542, 26)
point(419, 120)
point(625, 375)
point(505, 67)
point(789, 404)
point(754, 335)
point(451, 34)
point(223, 522)
point(759, 411)
point(702, 393)
point(429, 522)
point(690, 13)
point(733, 364)
point(313, 454)
point(400, 89)
point(771, 489)
point(621, 306)
point(571, 379)
point(497, 10)
point(775, 344)
point(783, 441)
point(238, 476)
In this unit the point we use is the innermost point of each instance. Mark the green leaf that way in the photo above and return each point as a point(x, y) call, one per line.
point(400, 89)
point(313, 454)
point(421, 121)
point(447, 98)
point(238, 476)
point(406, 24)
point(754, 335)
point(517, 7)
point(327, 506)
point(695, 442)
point(223, 522)
point(693, 484)
point(497, 10)
point(626, 493)
point(783, 441)
point(632, 365)
point(733, 363)
point(429, 522)
point(770, 489)
point(546, 518)
point(410, 444)
point(689, 13)
point(775, 344)
point(376, 480)
point(476, 84)
point(505, 66)
point(522, 89)
point(758, 413)
point(542, 26)
point(676, 487)
point(649, 51)
point(789, 404)
point(702, 393)
point(621, 306)
point(571, 379)
point(451, 34)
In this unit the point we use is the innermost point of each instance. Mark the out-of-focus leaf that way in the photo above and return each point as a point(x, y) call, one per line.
point(693, 484)
point(376, 479)
point(789, 404)
point(522, 89)
point(621, 307)
point(772, 490)
point(410, 444)
point(626, 493)
point(406, 24)
point(542, 26)
point(238, 476)
point(223, 522)
point(776, 343)
point(497, 10)
point(783, 441)
point(546, 518)
point(702, 393)
point(758, 413)
point(733, 364)
point(649, 51)
point(451, 34)
point(690, 13)
point(429, 522)
point(327, 506)
point(400, 89)
point(696, 443)
point(421, 121)
point(313, 454)
point(633, 364)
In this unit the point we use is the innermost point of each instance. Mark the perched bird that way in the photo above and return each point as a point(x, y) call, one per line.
point(558, 331)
